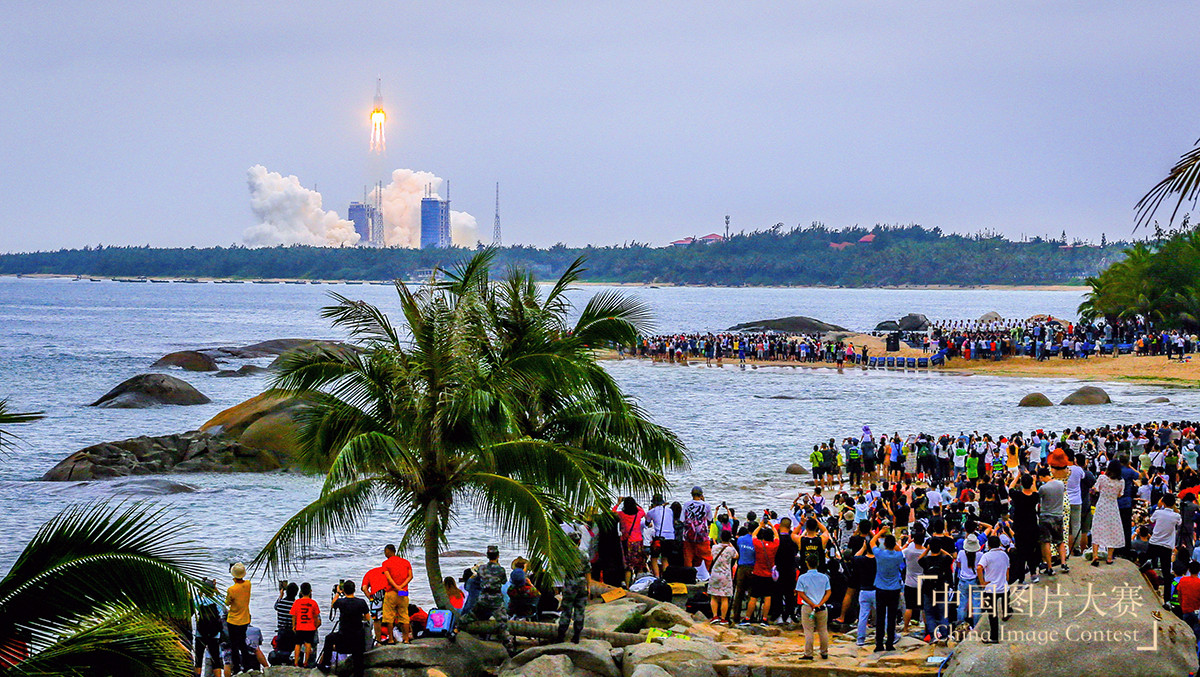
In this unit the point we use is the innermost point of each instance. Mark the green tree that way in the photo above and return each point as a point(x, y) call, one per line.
point(100, 590)
point(489, 398)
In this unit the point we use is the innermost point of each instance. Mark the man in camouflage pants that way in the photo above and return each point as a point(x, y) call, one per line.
point(574, 593)
point(490, 604)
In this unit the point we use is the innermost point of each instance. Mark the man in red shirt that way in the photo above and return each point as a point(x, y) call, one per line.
point(1189, 590)
point(398, 573)
point(306, 618)
point(374, 586)
point(762, 584)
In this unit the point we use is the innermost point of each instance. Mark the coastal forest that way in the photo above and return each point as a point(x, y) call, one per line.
point(884, 255)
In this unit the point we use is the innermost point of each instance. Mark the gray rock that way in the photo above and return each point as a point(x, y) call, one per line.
point(556, 665)
point(797, 469)
point(289, 671)
point(796, 324)
point(1083, 642)
point(1158, 400)
point(1035, 400)
point(667, 616)
point(913, 322)
point(990, 316)
point(588, 657)
point(609, 616)
point(650, 670)
point(188, 360)
point(673, 655)
point(244, 370)
point(148, 390)
point(189, 452)
point(1087, 395)
point(888, 325)
point(465, 657)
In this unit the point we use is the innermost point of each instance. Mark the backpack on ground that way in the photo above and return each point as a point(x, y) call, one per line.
point(440, 623)
point(660, 590)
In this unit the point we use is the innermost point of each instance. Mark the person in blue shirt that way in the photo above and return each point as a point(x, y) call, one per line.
point(889, 582)
point(1125, 503)
point(745, 567)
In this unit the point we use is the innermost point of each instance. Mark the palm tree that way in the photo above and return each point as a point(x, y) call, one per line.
point(13, 417)
point(1183, 180)
point(100, 590)
point(491, 399)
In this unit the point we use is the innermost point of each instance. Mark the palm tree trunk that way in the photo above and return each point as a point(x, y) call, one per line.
point(433, 563)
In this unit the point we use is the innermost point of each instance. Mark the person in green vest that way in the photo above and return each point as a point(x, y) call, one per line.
point(973, 467)
point(816, 461)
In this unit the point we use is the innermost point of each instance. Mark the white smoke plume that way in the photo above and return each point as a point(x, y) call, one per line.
point(401, 204)
point(289, 213)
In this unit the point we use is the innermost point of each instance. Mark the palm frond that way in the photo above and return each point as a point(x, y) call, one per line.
point(340, 511)
point(363, 320)
point(95, 554)
point(1183, 180)
point(8, 417)
point(612, 317)
point(116, 639)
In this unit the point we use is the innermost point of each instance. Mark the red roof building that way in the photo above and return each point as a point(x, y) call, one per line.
point(867, 239)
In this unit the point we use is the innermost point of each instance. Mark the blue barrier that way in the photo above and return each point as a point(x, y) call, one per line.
point(922, 362)
point(891, 362)
point(911, 363)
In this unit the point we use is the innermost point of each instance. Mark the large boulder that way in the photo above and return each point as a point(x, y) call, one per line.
point(796, 469)
point(267, 421)
point(1158, 400)
point(588, 658)
point(309, 346)
point(888, 325)
point(188, 360)
point(609, 616)
point(1035, 400)
point(913, 322)
point(666, 616)
point(1087, 395)
point(1106, 614)
point(464, 657)
point(148, 390)
point(679, 657)
point(990, 316)
point(796, 324)
point(244, 370)
point(189, 452)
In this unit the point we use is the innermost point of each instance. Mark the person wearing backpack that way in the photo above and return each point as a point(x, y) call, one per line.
point(697, 547)
point(209, 629)
point(354, 615)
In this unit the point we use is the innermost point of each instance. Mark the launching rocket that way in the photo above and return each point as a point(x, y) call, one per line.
point(378, 117)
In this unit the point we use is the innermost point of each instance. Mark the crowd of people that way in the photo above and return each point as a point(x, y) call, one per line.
point(1040, 339)
point(932, 532)
point(384, 614)
point(938, 531)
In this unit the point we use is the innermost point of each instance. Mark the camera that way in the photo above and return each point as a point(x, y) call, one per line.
point(337, 589)
point(283, 584)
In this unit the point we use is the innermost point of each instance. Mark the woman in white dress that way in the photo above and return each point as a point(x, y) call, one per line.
point(1106, 523)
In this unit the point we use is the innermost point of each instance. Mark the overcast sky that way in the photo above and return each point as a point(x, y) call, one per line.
point(135, 123)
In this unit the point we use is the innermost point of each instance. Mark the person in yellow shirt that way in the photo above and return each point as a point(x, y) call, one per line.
point(237, 600)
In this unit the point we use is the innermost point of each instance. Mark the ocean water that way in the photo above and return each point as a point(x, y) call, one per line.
point(63, 344)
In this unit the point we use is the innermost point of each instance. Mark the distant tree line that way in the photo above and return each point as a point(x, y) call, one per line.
point(899, 255)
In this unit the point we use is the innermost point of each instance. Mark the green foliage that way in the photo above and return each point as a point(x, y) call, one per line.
point(488, 398)
point(8, 418)
point(1158, 281)
point(633, 624)
point(100, 590)
point(800, 256)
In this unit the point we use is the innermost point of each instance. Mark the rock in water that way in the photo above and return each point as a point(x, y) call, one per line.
point(188, 360)
point(265, 421)
point(1158, 400)
point(244, 370)
point(190, 452)
point(990, 316)
point(913, 322)
point(888, 325)
point(1042, 642)
point(796, 324)
point(1087, 395)
point(797, 469)
point(147, 390)
point(1035, 400)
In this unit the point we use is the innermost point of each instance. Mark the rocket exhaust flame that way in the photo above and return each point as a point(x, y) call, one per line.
point(378, 118)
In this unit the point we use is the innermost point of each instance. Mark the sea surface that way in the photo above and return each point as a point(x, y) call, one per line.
point(65, 343)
